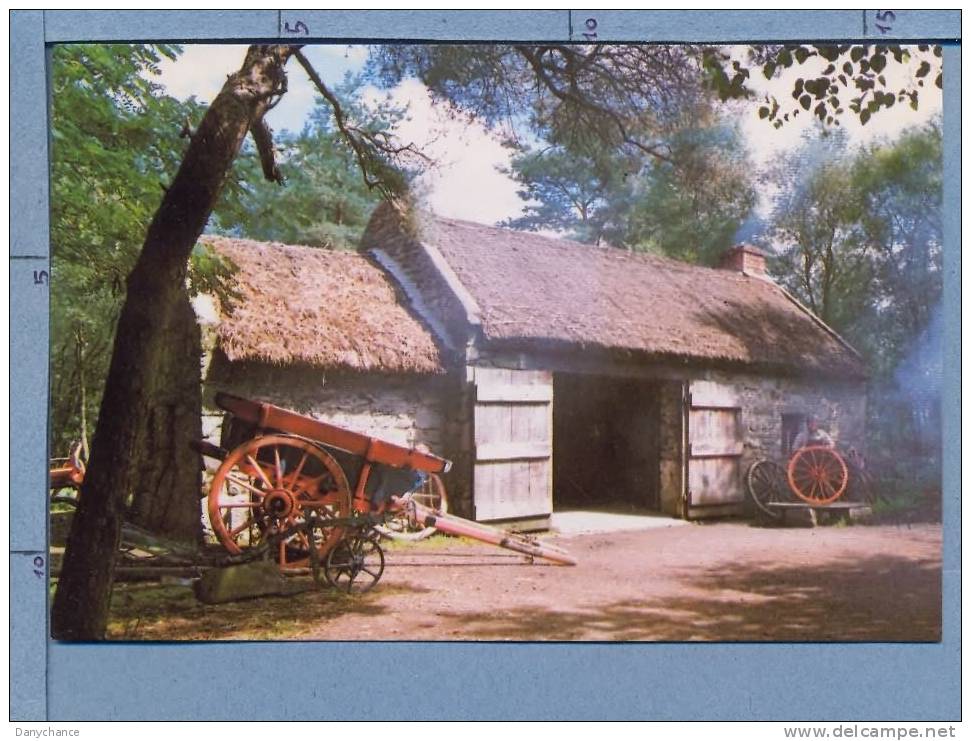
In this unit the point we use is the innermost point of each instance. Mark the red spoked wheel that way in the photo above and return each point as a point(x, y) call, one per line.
point(269, 485)
point(817, 474)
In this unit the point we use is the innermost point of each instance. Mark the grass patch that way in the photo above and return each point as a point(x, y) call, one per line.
point(438, 541)
point(164, 612)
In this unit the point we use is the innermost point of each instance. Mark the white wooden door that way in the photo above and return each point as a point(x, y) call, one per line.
point(714, 451)
point(513, 477)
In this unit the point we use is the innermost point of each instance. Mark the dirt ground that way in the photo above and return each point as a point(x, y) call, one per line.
point(712, 582)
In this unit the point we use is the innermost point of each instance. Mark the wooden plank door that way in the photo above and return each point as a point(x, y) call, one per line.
point(714, 454)
point(513, 476)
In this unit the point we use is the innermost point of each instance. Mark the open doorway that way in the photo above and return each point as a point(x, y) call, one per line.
point(605, 443)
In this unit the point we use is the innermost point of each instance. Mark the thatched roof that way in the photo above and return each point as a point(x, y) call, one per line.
point(526, 288)
point(318, 307)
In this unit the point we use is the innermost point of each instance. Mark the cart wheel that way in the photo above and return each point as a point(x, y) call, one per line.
point(818, 474)
point(266, 485)
point(766, 484)
point(355, 564)
point(431, 494)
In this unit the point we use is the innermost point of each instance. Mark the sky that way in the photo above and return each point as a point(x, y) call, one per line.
point(466, 182)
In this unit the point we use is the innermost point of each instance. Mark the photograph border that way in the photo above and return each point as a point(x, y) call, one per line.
point(52, 680)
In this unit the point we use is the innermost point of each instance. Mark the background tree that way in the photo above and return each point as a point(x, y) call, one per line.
point(901, 224)
point(815, 228)
point(583, 196)
point(117, 140)
point(325, 202)
point(692, 208)
point(688, 205)
point(858, 237)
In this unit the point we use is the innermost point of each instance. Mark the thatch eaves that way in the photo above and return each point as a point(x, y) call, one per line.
point(530, 289)
point(320, 307)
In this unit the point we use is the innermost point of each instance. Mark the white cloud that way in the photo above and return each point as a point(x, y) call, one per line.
point(465, 182)
point(201, 70)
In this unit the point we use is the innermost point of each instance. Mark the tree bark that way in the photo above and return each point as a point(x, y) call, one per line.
point(81, 603)
point(168, 475)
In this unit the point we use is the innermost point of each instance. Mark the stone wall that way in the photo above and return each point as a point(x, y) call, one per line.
point(436, 411)
point(405, 410)
point(840, 407)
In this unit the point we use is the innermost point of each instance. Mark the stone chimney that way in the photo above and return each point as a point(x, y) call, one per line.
point(745, 258)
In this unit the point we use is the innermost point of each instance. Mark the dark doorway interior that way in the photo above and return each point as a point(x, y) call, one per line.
point(605, 443)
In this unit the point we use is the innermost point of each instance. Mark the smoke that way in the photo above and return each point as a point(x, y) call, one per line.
point(752, 230)
point(919, 378)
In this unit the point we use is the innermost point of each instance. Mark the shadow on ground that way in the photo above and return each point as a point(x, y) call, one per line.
point(145, 612)
point(872, 599)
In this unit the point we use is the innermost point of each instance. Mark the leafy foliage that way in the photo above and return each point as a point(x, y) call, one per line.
point(116, 143)
point(572, 193)
point(689, 207)
point(859, 238)
point(584, 98)
point(324, 201)
point(858, 78)
point(693, 209)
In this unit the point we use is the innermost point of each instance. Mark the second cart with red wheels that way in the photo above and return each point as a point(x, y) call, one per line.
point(816, 477)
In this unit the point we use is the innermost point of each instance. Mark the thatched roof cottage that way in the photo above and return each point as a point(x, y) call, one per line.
point(553, 373)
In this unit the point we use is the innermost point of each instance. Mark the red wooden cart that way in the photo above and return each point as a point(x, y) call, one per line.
point(316, 492)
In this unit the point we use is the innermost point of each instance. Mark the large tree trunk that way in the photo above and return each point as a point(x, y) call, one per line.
point(168, 475)
point(155, 285)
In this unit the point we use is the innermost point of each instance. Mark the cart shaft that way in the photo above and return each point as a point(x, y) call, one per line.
point(453, 525)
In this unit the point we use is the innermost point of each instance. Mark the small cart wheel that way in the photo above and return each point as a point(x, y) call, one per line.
point(266, 486)
point(766, 485)
point(818, 474)
point(431, 494)
point(355, 564)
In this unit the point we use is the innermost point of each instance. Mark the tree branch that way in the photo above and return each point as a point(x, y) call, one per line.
point(263, 138)
point(339, 118)
point(573, 96)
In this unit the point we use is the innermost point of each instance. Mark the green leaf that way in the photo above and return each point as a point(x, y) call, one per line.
point(802, 54)
point(805, 101)
point(828, 52)
point(857, 52)
point(864, 117)
point(878, 62)
point(763, 112)
point(768, 69)
point(924, 69)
